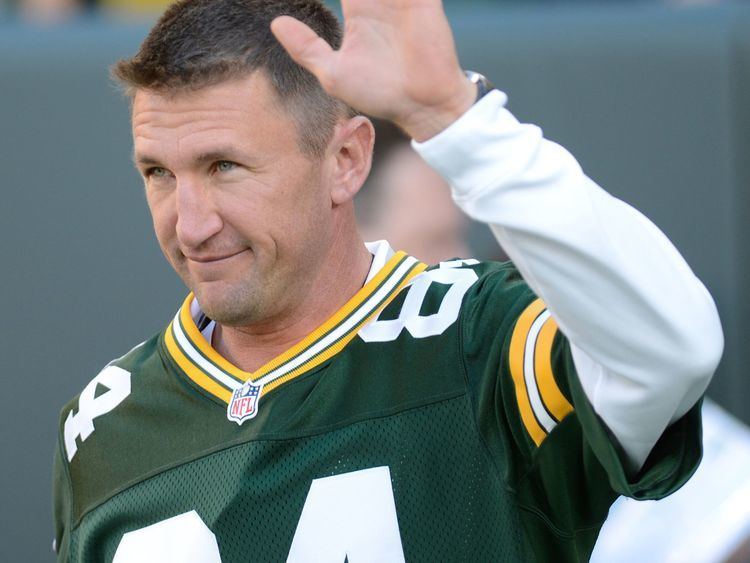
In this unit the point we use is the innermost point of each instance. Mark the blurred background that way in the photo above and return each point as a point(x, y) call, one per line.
point(651, 97)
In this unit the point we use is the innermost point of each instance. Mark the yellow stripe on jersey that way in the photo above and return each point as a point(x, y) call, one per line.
point(552, 397)
point(198, 376)
point(198, 341)
point(517, 350)
point(352, 305)
point(541, 404)
point(340, 344)
point(208, 369)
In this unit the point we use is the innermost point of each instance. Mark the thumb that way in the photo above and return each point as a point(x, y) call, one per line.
point(304, 46)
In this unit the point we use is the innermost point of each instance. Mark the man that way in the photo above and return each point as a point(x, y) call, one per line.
point(316, 399)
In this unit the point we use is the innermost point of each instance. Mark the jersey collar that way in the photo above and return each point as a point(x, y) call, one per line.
point(205, 367)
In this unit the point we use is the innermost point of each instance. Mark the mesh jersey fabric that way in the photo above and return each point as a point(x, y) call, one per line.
point(493, 450)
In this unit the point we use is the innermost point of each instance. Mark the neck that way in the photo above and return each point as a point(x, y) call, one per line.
point(342, 273)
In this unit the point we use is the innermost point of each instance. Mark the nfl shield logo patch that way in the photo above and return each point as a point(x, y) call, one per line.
point(244, 403)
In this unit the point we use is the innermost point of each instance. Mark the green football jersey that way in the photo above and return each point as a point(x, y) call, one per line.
point(436, 417)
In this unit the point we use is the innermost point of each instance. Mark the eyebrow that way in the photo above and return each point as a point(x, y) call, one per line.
point(143, 160)
point(221, 154)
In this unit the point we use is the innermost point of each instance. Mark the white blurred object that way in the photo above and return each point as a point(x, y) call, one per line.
point(706, 521)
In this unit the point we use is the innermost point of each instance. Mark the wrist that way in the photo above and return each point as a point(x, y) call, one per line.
point(424, 122)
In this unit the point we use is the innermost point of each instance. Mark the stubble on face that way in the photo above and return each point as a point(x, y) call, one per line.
point(240, 300)
point(260, 289)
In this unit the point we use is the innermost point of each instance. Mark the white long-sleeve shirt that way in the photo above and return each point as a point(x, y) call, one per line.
point(644, 332)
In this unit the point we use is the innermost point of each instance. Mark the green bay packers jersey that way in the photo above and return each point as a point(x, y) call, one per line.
point(436, 417)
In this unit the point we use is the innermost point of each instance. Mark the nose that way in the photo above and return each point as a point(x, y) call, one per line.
point(198, 218)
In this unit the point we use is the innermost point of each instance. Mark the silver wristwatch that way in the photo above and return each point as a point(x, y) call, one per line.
point(484, 86)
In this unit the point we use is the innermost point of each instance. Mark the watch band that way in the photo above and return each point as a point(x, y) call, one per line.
point(484, 86)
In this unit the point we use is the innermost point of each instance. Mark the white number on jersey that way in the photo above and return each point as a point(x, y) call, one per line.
point(184, 538)
point(351, 517)
point(117, 381)
point(450, 273)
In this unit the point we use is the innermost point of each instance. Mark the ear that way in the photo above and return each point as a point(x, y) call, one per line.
point(351, 151)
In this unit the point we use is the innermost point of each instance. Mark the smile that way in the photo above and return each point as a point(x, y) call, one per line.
point(214, 259)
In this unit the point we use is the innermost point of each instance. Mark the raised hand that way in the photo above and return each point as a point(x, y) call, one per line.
point(398, 61)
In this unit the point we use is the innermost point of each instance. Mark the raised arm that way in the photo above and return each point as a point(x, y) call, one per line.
point(644, 332)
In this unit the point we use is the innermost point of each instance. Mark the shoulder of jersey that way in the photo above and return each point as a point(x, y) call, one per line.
point(488, 275)
point(131, 361)
point(114, 380)
point(478, 275)
point(433, 300)
point(481, 267)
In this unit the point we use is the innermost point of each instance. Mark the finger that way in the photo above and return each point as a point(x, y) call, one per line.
point(304, 46)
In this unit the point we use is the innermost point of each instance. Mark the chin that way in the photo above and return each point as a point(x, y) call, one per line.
point(231, 306)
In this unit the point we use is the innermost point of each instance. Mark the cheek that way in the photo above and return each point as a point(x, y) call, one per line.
point(309, 214)
point(296, 206)
point(282, 210)
point(309, 194)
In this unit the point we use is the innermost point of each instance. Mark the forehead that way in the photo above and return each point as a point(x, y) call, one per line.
point(243, 112)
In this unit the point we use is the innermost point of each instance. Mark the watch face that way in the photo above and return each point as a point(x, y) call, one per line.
point(484, 86)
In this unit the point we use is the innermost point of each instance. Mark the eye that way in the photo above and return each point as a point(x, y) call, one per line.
point(156, 172)
point(225, 166)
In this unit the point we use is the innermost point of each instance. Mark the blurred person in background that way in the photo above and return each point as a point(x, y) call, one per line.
point(50, 12)
point(47, 12)
point(408, 203)
point(133, 9)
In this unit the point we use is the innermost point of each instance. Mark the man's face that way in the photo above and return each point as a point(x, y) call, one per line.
point(242, 215)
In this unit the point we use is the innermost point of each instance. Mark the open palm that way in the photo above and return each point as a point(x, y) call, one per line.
point(398, 61)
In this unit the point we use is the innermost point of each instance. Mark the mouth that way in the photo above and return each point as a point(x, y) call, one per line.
point(213, 259)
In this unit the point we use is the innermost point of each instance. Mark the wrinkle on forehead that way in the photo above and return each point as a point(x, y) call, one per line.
point(252, 93)
point(174, 118)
